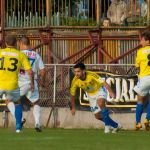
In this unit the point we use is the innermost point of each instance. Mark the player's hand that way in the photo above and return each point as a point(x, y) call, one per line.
point(112, 94)
point(73, 111)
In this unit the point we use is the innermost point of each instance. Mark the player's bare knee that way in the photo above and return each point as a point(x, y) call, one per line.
point(101, 103)
point(98, 116)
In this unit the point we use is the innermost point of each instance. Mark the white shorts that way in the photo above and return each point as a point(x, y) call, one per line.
point(25, 91)
point(102, 93)
point(12, 95)
point(143, 86)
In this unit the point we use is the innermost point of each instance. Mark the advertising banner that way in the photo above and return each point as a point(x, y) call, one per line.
point(123, 86)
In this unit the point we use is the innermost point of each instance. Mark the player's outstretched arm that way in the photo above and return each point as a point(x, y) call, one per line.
point(111, 93)
point(73, 110)
point(42, 77)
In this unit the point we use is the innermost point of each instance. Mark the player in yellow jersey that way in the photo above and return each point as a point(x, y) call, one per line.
point(143, 86)
point(10, 62)
point(95, 88)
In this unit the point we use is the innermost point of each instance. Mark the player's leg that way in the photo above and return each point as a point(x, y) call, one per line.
point(13, 96)
point(147, 119)
point(37, 116)
point(11, 107)
point(139, 111)
point(142, 89)
point(18, 116)
point(105, 114)
point(34, 98)
point(24, 88)
point(97, 111)
point(101, 101)
point(99, 117)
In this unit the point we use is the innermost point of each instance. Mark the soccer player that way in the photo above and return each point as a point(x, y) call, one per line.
point(11, 61)
point(143, 86)
point(24, 82)
point(95, 88)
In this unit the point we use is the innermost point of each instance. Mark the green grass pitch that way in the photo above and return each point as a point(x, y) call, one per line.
point(73, 139)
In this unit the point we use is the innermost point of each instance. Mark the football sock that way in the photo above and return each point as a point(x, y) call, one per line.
point(139, 111)
point(37, 114)
point(148, 111)
point(18, 115)
point(105, 116)
point(11, 107)
point(112, 123)
point(107, 120)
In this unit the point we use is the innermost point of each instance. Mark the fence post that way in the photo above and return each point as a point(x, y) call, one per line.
point(98, 16)
point(148, 12)
point(54, 97)
point(2, 25)
point(48, 11)
point(54, 92)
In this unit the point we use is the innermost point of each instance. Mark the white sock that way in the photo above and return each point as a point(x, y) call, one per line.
point(11, 107)
point(37, 113)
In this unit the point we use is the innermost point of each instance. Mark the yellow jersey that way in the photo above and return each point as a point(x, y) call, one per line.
point(143, 61)
point(11, 60)
point(91, 84)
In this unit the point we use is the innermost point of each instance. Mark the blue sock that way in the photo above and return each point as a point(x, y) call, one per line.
point(112, 123)
point(18, 115)
point(148, 111)
point(107, 120)
point(139, 111)
point(105, 116)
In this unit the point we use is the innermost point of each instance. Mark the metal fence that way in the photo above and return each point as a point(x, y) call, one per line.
point(31, 13)
point(56, 92)
point(39, 13)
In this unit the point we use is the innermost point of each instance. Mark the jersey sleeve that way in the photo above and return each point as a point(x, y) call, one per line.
point(40, 63)
point(101, 80)
point(137, 61)
point(97, 77)
point(25, 62)
point(73, 87)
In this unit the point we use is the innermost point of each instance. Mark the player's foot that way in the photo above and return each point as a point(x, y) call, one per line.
point(23, 122)
point(115, 130)
point(18, 131)
point(38, 128)
point(146, 124)
point(138, 126)
point(18, 127)
point(107, 129)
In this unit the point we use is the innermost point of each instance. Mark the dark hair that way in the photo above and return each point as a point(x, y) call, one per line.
point(25, 40)
point(11, 40)
point(146, 35)
point(80, 65)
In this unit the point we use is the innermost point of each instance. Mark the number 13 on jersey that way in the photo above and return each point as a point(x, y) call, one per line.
point(13, 64)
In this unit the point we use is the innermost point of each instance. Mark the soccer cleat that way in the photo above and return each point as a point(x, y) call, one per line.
point(115, 130)
point(107, 129)
point(38, 128)
point(146, 124)
point(18, 131)
point(138, 126)
point(23, 122)
point(18, 128)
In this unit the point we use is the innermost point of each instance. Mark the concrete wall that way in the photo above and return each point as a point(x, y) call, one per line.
point(82, 119)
